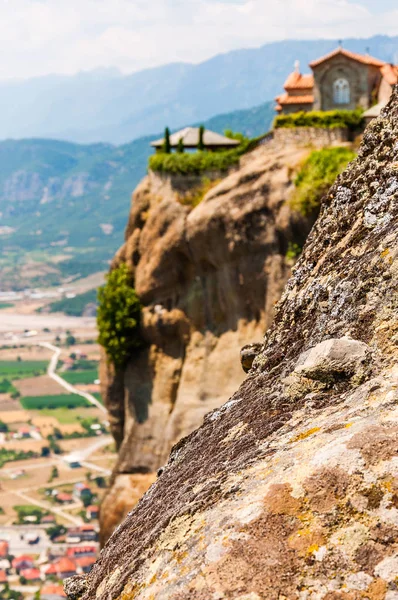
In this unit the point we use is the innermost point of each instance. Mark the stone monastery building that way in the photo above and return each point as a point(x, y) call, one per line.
point(339, 80)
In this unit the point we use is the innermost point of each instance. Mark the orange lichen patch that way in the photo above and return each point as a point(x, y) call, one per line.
point(376, 590)
point(305, 434)
point(279, 500)
point(307, 541)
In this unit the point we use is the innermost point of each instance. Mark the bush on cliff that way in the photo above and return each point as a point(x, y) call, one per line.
point(197, 163)
point(330, 119)
point(316, 175)
point(118, 317)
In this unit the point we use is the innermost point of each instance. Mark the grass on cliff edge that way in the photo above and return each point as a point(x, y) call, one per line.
point(119, 316)
point(316, 175)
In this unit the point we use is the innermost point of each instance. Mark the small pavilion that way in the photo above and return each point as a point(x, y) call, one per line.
point(190, 138)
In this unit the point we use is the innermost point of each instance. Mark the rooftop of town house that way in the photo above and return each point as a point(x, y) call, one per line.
point(190, 139)
point(22, 559)
point(76, 550)
point(52, 589)
point(31, 574)
point(3, 576)
point(65, 565)
point(85, 561)
point(93, 508)
point(4, 547)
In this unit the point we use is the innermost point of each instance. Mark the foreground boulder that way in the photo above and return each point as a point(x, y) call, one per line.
point(209, 275)
point(281, 496)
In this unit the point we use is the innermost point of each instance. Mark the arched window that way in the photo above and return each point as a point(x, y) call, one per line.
point(341, 91)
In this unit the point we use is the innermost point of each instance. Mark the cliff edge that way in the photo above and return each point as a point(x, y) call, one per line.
point(209, 272)
point(289, 490)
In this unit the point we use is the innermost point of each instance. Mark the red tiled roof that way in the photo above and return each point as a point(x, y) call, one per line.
point(390, 73)
point(85, 561)
point(50, 569)
point(20, 559)
point(65, 565)
point(362, 58)
point(286, 99)
point(30, 574)
point(297, 81)
point(3, 577)
point(52, 590)
point(64, 497)
point(3, 548)
point(76, 550)
point(93, 508)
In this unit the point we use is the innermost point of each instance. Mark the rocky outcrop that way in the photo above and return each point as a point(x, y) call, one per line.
point(293, 497)
point(208, 277)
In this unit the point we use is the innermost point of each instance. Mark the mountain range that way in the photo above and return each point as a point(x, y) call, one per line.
point(105, 106)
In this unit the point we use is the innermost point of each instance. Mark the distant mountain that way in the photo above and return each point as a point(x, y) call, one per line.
point(103, 105)
point(64, 206)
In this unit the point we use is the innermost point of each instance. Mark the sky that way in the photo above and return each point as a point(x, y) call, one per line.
point(38, 37)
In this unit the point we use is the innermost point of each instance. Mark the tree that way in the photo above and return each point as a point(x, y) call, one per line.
point(119, 317)
point(45, 451)
point(201, 145)
point(70, 340)
point(180, 146)
point(167, 143)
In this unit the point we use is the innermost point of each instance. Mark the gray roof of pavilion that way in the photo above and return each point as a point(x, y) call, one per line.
point(190, 138)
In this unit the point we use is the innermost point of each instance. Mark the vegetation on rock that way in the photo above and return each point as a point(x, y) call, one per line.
point(119, 315)
point(316, 175)
point(331, 119)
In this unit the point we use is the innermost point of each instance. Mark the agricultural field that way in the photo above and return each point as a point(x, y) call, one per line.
point(52, 402)
point(80, 376)
point(18, 369)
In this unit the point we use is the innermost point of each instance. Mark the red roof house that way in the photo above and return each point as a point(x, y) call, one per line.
point(92, 511)
point(31, 574)
point(22, 562)
point(64, 498)
point(65, 567)
point(4, 549)
point(52, 589)
point(3, 577)
point(85, 563)
point(78, 551)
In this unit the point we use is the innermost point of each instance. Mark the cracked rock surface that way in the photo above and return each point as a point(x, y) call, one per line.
point(279, 496)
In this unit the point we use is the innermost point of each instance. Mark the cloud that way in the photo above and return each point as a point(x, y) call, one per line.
point(65, 36)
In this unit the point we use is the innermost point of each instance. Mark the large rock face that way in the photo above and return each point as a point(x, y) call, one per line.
point(290, 489)
point(209, 278)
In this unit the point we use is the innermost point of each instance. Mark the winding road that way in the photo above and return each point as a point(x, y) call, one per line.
point(51, 372)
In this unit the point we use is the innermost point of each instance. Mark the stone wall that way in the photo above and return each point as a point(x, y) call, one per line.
point(315, 136)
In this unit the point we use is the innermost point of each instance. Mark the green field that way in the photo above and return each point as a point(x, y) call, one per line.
point(53, 402)
point(76, 377)
point(6, 305)
point(67, 416)
point(14, 369)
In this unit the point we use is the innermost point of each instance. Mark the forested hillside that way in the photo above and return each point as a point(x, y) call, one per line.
point(63, 206)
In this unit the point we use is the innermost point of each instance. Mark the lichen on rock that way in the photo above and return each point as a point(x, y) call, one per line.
point(275, 497)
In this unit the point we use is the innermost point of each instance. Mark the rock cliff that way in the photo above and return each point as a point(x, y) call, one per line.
point(208, 276)
point(289, 490)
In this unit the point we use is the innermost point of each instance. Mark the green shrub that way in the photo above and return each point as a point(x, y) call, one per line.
point(119, 315)
point(293, 251)
point(328, 119)
point(193, 163)
point(317, 174)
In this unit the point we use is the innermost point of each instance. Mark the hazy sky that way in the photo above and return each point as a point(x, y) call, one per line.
point(64, 36)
